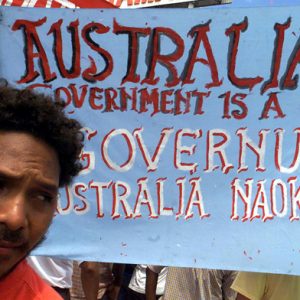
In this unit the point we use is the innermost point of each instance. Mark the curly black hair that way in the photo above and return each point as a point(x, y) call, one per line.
point(26, 111)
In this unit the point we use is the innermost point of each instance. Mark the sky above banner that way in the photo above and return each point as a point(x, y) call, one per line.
point(192, 137)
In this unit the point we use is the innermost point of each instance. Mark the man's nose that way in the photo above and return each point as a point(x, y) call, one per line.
point(13, 212)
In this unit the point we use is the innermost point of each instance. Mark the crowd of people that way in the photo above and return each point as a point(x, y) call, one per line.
point(94, 280)
point(39, 152)
point(105, 281)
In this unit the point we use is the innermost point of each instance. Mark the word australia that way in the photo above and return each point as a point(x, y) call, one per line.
point(101, 62)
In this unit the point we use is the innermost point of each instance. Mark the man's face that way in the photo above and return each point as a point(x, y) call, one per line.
point(29, 179)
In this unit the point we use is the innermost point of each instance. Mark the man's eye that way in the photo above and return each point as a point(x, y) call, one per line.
point(45, 198)
point(3, 186)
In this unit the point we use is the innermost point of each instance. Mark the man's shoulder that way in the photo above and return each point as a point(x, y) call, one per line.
point(38, 287)
point(23, 283)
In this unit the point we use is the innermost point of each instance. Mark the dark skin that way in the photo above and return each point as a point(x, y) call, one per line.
point(241, 297)
point(90, 279)
point(29, 180)
point(114, 289)
point(151, 283)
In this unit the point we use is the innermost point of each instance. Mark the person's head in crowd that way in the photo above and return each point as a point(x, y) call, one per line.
point(39, 152)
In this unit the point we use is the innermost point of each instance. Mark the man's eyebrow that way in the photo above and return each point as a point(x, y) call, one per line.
point(44, 183)
point(6, 174)
point(49, 187)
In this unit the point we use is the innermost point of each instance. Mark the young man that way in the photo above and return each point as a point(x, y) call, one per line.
point(39, 150)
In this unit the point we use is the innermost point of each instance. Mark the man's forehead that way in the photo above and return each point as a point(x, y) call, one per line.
point(21, 152)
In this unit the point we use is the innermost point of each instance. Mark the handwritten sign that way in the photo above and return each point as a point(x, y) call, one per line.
point(192, 133)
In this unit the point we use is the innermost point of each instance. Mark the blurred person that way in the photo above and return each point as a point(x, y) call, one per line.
point(56, 272)
point(96, 280)
point(113, 290)
point(195, 284)
point(263, 286)
point(127, 274)
point(155, 282)
point(137, 285)
point(39, 152)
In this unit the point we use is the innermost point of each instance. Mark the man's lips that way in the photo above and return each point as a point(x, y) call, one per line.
point(6, 247)
point(8, 244)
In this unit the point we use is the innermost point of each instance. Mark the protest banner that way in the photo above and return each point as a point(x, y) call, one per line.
point(191, 129)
